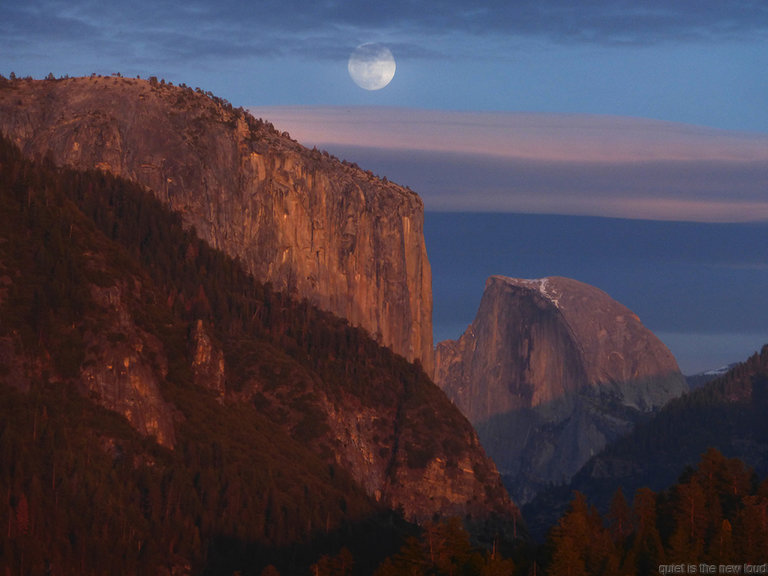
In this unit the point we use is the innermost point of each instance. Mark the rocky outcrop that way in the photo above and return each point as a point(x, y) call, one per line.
point(422, 458)
point(351, 243)
point(208, 365)
point(124, 366)
point(549, 372)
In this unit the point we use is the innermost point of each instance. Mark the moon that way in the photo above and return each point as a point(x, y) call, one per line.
point(371, 66)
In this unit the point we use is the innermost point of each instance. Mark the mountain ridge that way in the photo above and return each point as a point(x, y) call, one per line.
point(116, 304)
point(305, 221)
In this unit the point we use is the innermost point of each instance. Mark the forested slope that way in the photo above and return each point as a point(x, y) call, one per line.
point(218, 452)
point(727, 414)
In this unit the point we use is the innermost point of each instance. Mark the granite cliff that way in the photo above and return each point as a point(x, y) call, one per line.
point(306, 222)
point(550, 371)
point(103, 291)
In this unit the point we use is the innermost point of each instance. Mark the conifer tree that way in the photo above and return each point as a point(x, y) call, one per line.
point(580, 544)
point(690, 520)
point(646, 551)
point(752, 526)
point(619, 518)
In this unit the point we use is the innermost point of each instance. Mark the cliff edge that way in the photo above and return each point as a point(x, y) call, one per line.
point(300, 219)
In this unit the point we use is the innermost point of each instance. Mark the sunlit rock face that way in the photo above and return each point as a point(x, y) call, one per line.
point(124, 366)
point(208, 364)
point(551, 370)
point(350, 242)
point(305, 222)
point(423, 471)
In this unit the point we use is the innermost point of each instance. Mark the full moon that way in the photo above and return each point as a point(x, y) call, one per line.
point(371, 66)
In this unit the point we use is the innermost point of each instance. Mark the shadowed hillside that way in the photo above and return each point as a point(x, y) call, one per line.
point(164, 411)
point(727, 414)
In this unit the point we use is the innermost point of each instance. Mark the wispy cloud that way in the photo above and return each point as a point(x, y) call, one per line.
point(588, 165)
point(552, 137)
point(698, 61)
point(286, 25)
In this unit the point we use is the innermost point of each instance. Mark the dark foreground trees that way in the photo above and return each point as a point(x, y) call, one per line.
point(716, 514)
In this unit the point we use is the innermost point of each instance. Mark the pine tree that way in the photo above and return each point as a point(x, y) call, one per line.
point(410, 561)
point(721, 548)
point(579, 541)
point(619, 518)
point(690, 521)
point(646, 550)
point(752, 526)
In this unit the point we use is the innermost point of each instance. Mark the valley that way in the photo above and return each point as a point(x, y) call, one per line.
point(216, 357)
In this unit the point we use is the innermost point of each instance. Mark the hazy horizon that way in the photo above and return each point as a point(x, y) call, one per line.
point(700, 287)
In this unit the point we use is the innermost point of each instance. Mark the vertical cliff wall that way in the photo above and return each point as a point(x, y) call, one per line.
point(103, 292)
point(349, 242)
point(551, 370)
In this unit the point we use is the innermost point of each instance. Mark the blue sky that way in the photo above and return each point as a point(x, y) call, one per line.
point(700, 287)
point(701, 62)
point(652, 110)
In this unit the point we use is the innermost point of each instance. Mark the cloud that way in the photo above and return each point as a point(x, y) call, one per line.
point(601, 21)
point(326, 28)
point(555, 164)
point(552, 137)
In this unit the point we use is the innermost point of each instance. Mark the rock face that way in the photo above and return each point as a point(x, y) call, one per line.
point(349, 242)
point(123, 367)
point(422, 470)
point(208, 365)
point(549, 372)
point(102, 291)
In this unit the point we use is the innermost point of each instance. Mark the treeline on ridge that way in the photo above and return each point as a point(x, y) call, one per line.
point(727, 413)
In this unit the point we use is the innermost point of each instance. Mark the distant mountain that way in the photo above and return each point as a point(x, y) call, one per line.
point(164, 411)
point(549, 372)
point(727, 414)
point(300, 219)
point(698, 380)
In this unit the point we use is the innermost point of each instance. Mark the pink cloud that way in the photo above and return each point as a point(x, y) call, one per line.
point(567, 138)
point(565, 164)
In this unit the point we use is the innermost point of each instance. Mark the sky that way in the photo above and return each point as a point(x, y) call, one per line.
point(699, 287)
point(648, 111)
point(622, 167)
point(702, 62)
